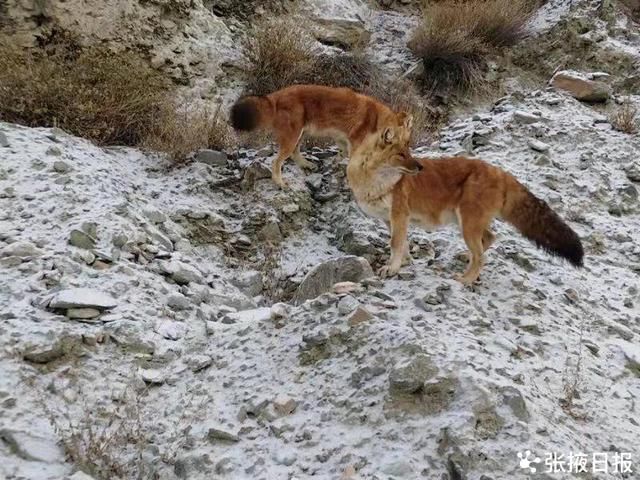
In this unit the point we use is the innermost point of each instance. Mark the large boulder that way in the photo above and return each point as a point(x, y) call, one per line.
point(579, 86)
point(322, 278)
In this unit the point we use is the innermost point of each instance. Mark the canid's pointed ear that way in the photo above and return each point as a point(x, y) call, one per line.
point(387, 135)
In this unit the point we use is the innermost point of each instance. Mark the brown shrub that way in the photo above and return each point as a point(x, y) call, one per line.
point(103, 96)
point(183, 128)
point(625, 118)
point(93, 93)
point(455, 37)
point(279, 52)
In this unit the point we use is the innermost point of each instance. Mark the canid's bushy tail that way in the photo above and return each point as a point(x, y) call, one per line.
point(250, 113)
point(538, 223)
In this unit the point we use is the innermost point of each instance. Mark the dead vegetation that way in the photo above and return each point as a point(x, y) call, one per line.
point(114, 441)
point(625, 118)
point(455, 38)
point(109, 98)
point(185, 128)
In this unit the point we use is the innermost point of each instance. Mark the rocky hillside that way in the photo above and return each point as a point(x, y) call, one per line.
point(195, 322)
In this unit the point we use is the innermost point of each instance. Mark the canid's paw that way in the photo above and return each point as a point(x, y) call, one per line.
point(307, 165)
point(467, 280)
point(407, 260)
point(388, 271)
point(280, 182)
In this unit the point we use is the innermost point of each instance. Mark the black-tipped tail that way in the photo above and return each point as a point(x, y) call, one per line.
point(246, 114)
point(544, 227)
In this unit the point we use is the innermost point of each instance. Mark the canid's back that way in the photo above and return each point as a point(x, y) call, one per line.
point(326, 104)
point(446, 177)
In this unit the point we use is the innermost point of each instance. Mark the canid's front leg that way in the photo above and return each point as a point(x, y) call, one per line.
point(407, 259)
point(399, 243)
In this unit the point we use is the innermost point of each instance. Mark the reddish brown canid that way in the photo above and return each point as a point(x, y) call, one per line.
point(404, 190)
point(340, 113)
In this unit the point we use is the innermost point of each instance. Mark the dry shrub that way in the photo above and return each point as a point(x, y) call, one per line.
point(183, 128)
point(110, 98)
point(93, 93)
point(279, 52)
point(625, 118)
point(455, 37)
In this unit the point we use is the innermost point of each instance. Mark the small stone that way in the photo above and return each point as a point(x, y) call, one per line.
point(80, 239)
point(520, 116)
point(152, 376)
point(347, 304)
point(81, 298)
point(32, 448)
point(214, 158)
point(291, 208)
point(169, 329)
point(284, 405)
point(198, 362)
point(633, 172)
point(409, 376)
point(284, 456)
point(538, 146)
point(4, 142)
point(182, 273)
point(61, 167)
point(360, 315)
point(178, 302)
point(83, 313)
point(514, 399)
point(216, 433)
point(20, 249)
point(53, 151)
point(119, 240)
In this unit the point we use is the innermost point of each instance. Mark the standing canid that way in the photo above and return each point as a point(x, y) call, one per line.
point(340, 113)
point(401, 189)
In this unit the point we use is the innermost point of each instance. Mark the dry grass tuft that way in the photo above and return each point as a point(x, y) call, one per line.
point(182, 129)
point(279, 52)
point(91, 93)
point(109, 98)
point(625, 118)
point(455, 37)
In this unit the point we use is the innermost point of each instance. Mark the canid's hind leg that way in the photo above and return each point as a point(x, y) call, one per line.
point(473, 232)
point(287, 141)
point(299, 159)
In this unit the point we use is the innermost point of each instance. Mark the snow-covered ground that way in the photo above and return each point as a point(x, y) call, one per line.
point(308, 391)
